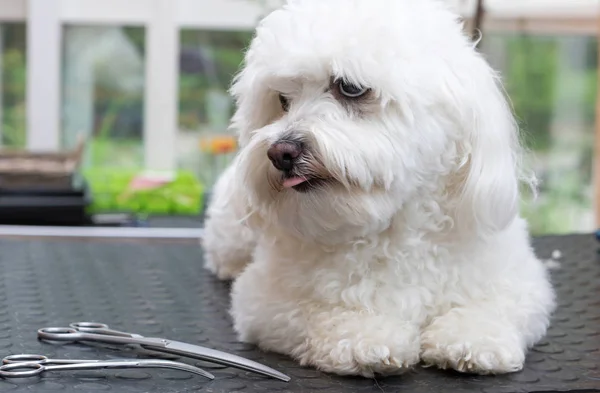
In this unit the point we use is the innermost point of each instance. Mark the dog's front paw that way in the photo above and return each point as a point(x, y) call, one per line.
point(364, 347)
point(479, 348)
point(367, 358)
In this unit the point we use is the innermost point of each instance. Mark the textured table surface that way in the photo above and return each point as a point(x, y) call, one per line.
point(161, 290)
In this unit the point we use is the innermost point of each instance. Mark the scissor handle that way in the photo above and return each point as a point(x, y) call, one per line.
point(58, 330)
point(58, 334)
point(99, 328)
point(88, 326)
point(21, 370)
point(24, 358)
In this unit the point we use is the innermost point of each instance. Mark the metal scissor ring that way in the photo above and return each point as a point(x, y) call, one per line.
point(81, 326)
point(21, 370)
point(25, 358)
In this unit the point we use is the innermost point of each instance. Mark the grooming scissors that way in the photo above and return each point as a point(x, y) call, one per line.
point(23, 366)
point(99, 332)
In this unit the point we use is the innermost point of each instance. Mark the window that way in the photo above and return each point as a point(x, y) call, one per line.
point(551, 81)
point(208, 62)
point(102, 93)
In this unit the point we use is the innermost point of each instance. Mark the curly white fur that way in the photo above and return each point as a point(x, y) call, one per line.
point(414, 250)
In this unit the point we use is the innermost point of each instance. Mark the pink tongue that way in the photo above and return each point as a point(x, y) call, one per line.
point(293, 181)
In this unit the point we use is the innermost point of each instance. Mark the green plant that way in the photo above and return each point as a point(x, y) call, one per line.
point(529, 78)
point(111, 192)
point(13, 79)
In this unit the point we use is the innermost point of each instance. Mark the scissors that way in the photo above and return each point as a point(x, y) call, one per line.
point(23, 366)
point(100, 332)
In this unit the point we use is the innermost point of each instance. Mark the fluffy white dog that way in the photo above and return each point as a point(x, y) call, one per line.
point(370, 219)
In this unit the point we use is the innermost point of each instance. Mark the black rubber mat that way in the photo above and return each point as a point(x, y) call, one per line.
point(162, 290)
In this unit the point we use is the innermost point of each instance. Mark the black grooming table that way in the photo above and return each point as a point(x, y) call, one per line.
point(162, 290)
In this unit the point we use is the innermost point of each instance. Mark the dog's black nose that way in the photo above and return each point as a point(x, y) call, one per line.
point(284, 154)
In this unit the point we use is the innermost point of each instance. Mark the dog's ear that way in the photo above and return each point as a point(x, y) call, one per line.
point(487, 183)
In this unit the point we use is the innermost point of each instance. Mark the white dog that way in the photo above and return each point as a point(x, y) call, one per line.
point(370, 219)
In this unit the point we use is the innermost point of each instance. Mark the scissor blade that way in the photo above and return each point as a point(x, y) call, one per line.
point(120, 364)
point(212, 355)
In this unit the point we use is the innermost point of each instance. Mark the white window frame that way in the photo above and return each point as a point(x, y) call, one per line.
point(162, 20)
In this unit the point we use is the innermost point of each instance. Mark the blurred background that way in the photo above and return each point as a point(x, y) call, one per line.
point(115, 112)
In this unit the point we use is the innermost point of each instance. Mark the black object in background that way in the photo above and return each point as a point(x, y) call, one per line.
point(45, 206)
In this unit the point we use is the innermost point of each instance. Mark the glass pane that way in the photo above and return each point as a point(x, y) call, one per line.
point(12, 84)
point(208, 62)
point(103, 90)
point(551, 81)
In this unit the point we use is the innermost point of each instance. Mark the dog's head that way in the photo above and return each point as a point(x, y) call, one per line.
point(351, 112)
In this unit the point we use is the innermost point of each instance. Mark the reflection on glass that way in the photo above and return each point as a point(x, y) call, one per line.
point(551, 81)
point(12, 85)
point(103, 88)
point(208, 62)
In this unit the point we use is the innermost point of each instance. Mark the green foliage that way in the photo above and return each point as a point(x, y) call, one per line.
point(559, 209)
point(13, 76)
point(530, 82)
point(111, 193)
point(533, 70)
point(110, 153)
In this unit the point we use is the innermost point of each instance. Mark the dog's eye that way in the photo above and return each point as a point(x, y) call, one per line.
point(285, 102)
point(351, 90)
